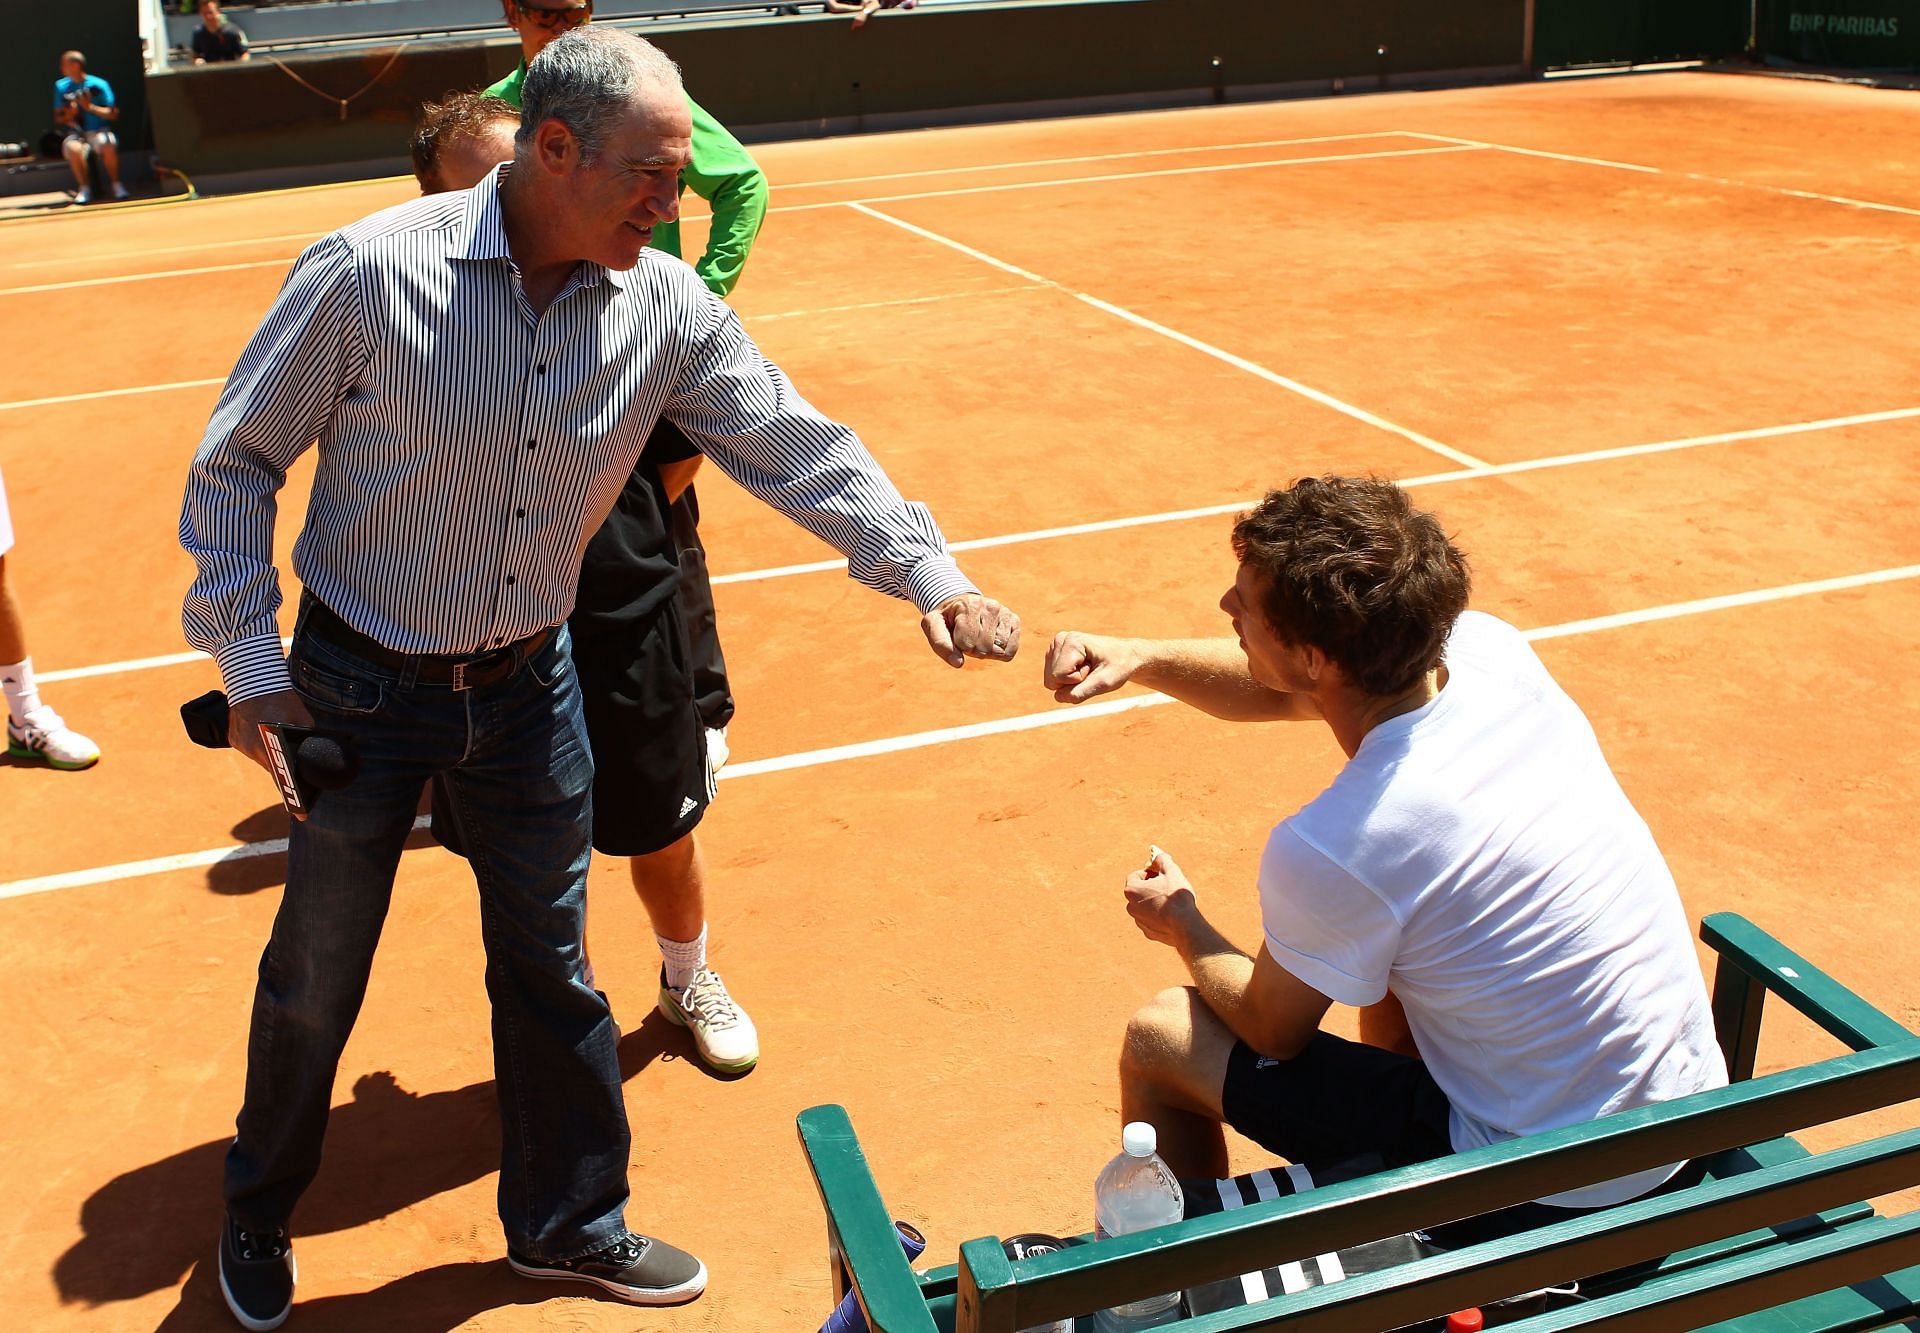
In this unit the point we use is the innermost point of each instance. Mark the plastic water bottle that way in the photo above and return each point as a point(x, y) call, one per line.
point(1137, 1191)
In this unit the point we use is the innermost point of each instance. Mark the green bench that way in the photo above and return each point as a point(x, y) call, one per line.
point(1775, 1237)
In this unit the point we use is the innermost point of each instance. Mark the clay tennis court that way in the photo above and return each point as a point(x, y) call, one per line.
point(1647, 345)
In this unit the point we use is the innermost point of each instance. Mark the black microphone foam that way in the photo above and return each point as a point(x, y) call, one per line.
point(324, 764)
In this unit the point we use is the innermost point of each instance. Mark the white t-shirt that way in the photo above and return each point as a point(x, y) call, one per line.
point(1478, 857)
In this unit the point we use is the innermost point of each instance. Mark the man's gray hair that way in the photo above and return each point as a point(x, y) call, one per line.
point(586, 79)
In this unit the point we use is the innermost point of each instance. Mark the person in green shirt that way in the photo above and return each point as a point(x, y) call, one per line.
point(619, 605)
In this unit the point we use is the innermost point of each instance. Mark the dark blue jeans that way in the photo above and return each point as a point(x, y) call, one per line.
point(520, 775)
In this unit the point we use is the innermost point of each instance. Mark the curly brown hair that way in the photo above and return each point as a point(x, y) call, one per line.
point(1348, 565)
point(454, 117)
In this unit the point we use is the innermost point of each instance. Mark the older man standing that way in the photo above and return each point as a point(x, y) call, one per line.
point(481, 370)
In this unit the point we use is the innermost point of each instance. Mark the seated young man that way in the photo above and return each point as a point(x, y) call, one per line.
point(1474, 879)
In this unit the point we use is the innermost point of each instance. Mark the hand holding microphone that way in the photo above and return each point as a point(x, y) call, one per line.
point(277, 732)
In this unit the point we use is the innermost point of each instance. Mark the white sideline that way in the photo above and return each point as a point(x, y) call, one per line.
point(1153, 326)
point(778, 187)
point(21, 888)
point(1700, 176)
point(1181, 515)
point(837, 203)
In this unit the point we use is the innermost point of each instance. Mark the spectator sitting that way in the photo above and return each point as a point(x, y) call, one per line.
point(216, 39)
point(460, 138)
point(83, 105)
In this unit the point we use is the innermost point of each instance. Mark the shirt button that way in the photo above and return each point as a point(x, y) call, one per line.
point(499, 642)
point(519, 513)
point(531, 443)
point(539, 370)
point(509, 580)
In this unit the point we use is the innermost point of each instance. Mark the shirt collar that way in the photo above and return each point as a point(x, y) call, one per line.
point(482, 234)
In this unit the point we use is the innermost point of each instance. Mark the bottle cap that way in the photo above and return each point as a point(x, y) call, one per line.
point(1466, 1321)
point(1138, 1139)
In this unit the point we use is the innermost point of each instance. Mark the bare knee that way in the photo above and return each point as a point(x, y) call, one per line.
point(1160, 1034)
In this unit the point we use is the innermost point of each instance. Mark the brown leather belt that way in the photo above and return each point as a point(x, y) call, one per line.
point(460, 672)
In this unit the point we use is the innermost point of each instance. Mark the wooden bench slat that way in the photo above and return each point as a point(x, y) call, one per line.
point(1333, 1217)
point(1776, 968)
point(859, 1231)
point(1765, 1281)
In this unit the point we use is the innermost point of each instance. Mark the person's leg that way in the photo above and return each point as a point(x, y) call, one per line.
point(75, 148)
point(313, 972)
point(522, 801)
point(1173, 1064)
point(651, 789)
point(107, 144)
point(672, 885)
point(34, 731)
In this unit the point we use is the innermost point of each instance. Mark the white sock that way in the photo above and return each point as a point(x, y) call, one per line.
point(683, 957)
point(23, 695)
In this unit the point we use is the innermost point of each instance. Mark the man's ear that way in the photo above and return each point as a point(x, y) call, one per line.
point(555, 150)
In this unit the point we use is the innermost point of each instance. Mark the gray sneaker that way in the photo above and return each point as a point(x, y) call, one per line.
point(635, 1268)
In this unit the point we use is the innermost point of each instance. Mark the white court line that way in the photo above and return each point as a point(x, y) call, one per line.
point(1115, 176)
point(108, 393)
point(1089, 157)
point(780, 186)
point(136, 664)
point(1061, 716)
point(173, 249)
point(1703, 177)
point(784, 314)
point(1153, 326)
point(881, 305)
point(1185, 515)
point(810, 208)
point(142, 277)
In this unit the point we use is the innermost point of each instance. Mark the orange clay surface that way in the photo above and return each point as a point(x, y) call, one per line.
point(1133, 316)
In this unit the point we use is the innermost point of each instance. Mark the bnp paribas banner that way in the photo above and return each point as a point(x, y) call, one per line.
point(1852, 34)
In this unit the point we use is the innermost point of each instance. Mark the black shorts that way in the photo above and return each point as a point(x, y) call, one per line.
point(650, 779)
point(1340, 1100)
point(651, 785)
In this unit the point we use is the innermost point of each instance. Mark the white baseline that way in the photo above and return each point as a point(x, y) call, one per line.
point(1059, 716)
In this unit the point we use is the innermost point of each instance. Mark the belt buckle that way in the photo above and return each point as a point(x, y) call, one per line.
point(460, 676)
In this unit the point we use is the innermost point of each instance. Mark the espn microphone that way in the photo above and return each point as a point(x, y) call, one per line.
point(303, 762)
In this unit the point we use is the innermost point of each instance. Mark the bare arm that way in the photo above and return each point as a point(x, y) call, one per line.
point(1209, 674)
point(1261, 1002)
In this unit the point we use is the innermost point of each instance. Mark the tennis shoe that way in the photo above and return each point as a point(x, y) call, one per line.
point(120, 191)
point(635, 1268)
point(84, 195)
point(45, 736)
point(256, 1276)
point(722, 1033)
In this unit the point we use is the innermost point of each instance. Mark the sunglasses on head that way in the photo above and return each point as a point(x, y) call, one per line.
point(570, 16)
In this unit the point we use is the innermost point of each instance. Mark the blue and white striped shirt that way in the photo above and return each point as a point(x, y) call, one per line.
point(468, 450)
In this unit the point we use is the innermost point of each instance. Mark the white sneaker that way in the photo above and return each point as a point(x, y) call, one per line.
point(716, 749)
point(84, 195)
point(120, 191)
point(722, 1033)
point(48, 738)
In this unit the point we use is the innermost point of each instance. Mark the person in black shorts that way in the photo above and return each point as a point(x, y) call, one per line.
point(654, 693)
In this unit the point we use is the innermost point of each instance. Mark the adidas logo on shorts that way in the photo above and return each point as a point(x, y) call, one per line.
point(687, 806)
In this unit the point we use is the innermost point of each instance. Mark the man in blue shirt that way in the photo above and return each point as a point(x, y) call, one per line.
point(83, 104)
